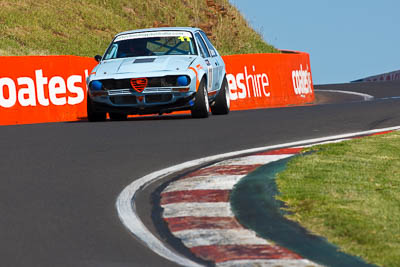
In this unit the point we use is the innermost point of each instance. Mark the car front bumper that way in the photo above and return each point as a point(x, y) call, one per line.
point(129, 102)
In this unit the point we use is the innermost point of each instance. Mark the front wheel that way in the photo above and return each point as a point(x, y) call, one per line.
point(94, 115)
point(201, 105)
point(222, 101)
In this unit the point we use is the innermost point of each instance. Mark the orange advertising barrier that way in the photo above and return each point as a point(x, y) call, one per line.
point(269, 80)
point(37, 89)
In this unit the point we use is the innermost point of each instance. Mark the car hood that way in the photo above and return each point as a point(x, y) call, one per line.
point(139, 65)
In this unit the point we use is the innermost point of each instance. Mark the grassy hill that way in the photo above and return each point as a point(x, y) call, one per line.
point(85, 28)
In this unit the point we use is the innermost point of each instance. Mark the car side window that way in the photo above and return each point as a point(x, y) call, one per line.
point(209, 44)
point(112, 52)
point(202, 45)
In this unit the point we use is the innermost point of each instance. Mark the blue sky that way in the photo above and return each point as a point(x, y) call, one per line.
point(346, 39)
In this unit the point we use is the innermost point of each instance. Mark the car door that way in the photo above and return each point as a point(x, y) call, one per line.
point(211, 63)
point(216, 60)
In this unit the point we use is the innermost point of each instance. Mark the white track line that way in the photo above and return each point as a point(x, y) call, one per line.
point(220, 237)
point(196, 209)
point(210, 182)
point(125, 203)
point(365, 96)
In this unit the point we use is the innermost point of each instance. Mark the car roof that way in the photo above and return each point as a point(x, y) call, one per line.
point(189, 29)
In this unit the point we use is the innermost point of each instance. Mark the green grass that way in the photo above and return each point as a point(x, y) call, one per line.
point(349, 192)
point(85, 28)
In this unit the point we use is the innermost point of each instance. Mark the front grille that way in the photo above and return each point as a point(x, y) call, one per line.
point(158, 98)
point(111, 84)
point(166, 81)
point(123, 99)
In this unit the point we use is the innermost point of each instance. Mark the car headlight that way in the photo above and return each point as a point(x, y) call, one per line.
point(96, 85)
point(182, 81)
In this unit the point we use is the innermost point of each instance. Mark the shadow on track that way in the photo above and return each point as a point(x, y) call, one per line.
point(140, 118)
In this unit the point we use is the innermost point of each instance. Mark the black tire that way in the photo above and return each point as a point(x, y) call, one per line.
point(201, 106)
point(92, 115)
point(118, 116)
point(222, 101)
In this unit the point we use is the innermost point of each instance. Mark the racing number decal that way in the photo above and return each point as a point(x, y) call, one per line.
point(210, 78)
point(182, 38)
point(210, 72)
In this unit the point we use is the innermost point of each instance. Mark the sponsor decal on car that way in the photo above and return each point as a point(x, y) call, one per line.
point(179, 34)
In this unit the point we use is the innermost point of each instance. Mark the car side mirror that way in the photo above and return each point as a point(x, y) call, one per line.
point(97, 58)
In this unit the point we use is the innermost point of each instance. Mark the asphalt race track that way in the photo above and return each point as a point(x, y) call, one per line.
point(59, 181)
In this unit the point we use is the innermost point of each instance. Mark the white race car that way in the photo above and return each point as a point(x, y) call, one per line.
point(156, 71)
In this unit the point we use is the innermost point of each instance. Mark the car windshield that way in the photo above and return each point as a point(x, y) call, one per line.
point(151, 44)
